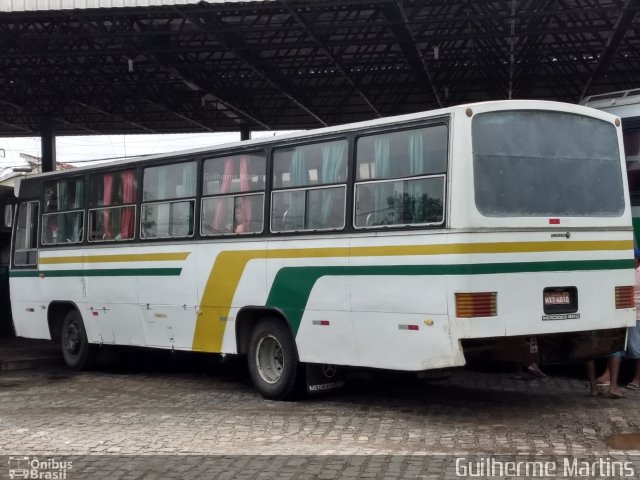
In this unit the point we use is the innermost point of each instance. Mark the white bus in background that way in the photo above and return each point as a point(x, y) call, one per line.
point(626, 105)
point(404, 243)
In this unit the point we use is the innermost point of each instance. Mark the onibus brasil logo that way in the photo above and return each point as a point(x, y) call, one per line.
point(38, 469)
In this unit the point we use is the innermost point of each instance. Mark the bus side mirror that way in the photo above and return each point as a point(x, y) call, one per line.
point(8, 216)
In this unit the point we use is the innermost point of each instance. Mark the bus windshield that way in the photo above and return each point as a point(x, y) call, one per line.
point(546, 164)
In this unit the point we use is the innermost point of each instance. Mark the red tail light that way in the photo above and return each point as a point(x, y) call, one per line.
point(469, 305)
point(624, 297)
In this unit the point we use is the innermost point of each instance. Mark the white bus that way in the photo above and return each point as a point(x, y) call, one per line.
point(403, 243)
point(626, 105)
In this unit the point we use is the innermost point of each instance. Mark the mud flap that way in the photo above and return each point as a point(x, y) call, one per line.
point(322, 377)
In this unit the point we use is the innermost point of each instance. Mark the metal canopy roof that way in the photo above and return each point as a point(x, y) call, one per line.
point(302, 64)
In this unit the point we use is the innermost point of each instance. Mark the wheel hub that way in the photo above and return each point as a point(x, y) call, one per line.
point(72, 338)
point(270, 359)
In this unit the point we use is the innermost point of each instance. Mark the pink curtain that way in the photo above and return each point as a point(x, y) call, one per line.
point(245, 202)
point(128, 196)
point(107, 196)
point(224, 188)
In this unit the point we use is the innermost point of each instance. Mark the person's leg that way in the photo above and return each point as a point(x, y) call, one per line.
point(591, 375)
point(633, 352)
point(614, 369)
point(605, 378)
point(636, 376)
point(534, 369)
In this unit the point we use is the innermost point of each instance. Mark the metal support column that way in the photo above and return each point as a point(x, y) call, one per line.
point(48, 144)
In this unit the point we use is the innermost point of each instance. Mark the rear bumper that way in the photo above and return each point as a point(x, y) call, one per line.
point(556, 348)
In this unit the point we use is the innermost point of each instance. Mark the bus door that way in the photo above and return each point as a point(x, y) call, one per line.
point(25, 285)
point(7, 210)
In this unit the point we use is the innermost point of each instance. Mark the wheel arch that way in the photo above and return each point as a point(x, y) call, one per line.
point(249, 316)
point(56, 313)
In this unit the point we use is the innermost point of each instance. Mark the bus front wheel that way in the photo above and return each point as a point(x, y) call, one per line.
point(273, 360)
point(76, 349)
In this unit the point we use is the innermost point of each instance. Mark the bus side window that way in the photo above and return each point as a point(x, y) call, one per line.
point(169, 201)
point(309, 187)
point(26, 241)
point(63, 217)
point(234, 189)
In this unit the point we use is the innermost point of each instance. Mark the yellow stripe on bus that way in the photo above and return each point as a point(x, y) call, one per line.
point(132, 257)
point(229, 266)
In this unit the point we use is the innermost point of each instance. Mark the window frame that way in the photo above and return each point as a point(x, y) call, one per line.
point(307, 189)
point(168, 163)
point(234, 196)
point(206, 158)
point(62, 244)
point(347, 184)
point(141, 203)
point(96, 209)
point(441, 120)
point(163, 202)
point(314, 141)
point(43, 214)
point(402, 179)
point(27, 203)
point(92, 175)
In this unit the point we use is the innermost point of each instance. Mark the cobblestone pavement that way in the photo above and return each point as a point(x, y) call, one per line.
point(215, 411)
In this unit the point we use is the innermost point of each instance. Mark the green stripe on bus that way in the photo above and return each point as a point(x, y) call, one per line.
point(292, 285)
point(105, 272)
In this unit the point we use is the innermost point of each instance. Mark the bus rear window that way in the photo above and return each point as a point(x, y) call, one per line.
point(539, 163)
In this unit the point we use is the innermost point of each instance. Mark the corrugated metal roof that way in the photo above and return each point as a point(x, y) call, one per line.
point(33, 5)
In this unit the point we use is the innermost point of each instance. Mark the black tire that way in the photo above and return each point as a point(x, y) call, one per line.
point(76, 349)
point(273, 360)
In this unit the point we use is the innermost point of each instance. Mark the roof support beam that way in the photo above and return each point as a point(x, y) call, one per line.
point(619, 29)
point(18, 127)
point(230, 109)
point(179, 115)
point(213, 27)
point(407, 42)
point(326, 52)
point(113, 115)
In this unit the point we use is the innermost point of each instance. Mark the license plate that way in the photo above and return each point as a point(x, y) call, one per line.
point(557, 298)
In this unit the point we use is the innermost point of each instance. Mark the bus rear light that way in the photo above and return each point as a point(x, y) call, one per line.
point(624, 297)
point(482, 304)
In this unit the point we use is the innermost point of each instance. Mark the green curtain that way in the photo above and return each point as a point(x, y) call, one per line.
point(78, 197)
point(159, 225)
point(383, 192)
point(77, 217)
point(333, 157)
point(189, 180)
point(189, 184)
point(299, 178)
point(416, 167)
point(63, 198)
point(163, 185)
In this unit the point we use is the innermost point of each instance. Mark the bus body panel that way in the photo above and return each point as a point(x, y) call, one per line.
point(383, 298)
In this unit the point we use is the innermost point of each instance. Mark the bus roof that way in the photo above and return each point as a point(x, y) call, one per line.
point(252, 144)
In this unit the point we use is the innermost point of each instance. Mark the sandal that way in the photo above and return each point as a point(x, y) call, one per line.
point(535, 371)
point(614, 396)
point(633, 386)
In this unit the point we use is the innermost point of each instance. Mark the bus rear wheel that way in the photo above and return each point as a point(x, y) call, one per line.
point(76, 349)
point(273, 360)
